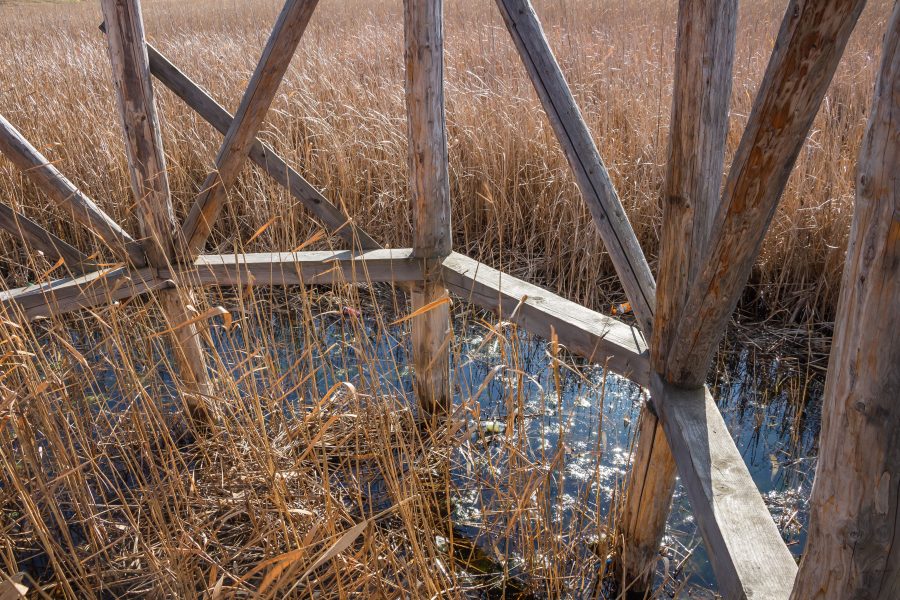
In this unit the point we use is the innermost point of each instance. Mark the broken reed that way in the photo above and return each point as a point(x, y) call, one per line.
point(340, 121)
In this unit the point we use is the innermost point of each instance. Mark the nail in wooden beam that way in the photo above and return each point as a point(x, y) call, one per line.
point(430, 199)
point(853, 525)
point(584, 159)
point(150, 183)
point(35, 236)
point(61, 191)
point(249, 118)
point(704, 57)
point(276, 167)
point(807, 51)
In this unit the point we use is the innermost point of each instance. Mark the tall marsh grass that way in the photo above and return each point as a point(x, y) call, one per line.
point(316, 480)
point(340, 120)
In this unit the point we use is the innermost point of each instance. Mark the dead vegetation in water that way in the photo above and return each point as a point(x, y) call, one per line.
point(316, 480)
point(339, 120)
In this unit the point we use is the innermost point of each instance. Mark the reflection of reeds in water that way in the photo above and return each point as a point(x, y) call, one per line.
point(317, 478)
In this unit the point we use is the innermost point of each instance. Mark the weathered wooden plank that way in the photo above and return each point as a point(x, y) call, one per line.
point(262, 269)
point(302, 268)
point(34, 236)
point(594, 336)
point(249, 118)
point(584, 159)
point(334, 219)
point(855, 502)
point(150, 185)
point(430, 200)
point(704, 56)
point(807, 51)
point(49, 180)
point(747, 553)
point(62, 296)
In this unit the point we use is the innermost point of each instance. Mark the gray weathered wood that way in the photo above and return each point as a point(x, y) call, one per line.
point(747, 553)
point(62, 296)
point(807, 51)
point(249, 118)
point(49, 180)
point(66, 295)
point(583, 157)
point(704, 56)
point(150, 185)
point(594, 336)
point(302, 268)
point(36, 237)
point(276, 167)
point(855, 502)
point(430, 200)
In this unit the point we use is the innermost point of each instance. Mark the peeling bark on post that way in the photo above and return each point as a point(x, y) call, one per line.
point(807, 52)
point(854, 525)
point(150, 184)
point(430, 200)
point(704, 57)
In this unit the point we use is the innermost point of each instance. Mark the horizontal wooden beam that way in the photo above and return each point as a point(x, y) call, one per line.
point(62, 296)
point(747, 553)
point(302, 268)
point(587, 333)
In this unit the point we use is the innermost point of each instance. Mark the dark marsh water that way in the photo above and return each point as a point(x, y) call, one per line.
point(573, 424)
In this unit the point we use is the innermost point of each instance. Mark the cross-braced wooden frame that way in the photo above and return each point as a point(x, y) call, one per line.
point(708, 244)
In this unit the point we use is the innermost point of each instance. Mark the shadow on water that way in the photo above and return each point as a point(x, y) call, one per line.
point(558, 432)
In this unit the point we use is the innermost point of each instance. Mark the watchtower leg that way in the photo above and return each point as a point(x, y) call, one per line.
point(430, 199)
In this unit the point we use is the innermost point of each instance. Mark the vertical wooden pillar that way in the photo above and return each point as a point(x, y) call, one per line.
point(150, 183)
point(854, 521)
point(704, 57)
point(430, 199)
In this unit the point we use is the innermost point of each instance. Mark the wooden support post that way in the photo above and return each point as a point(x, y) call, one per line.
point(430, 199)
point(150, 183)
point(276, 167)
point(807, 51)
point(704, 56)
point(49, 180)
point(252, 111)
point(584, 159)
point(855, 501)
point(35, 236)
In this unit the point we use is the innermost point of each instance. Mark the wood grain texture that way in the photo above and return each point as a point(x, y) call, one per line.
point(594, 336)
point(62, 296)
point(852, 550)
point(584, 159)
point(430, 201)
point(704, 57)
point(140, 125)
point(264, 269)
point(426, 128)
point(150, 186)
point(748, 556)
point(49, 180)
point(332, 217)
point(301, 268)
point(35, 237)
point(807, 50)
point(241, 135)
